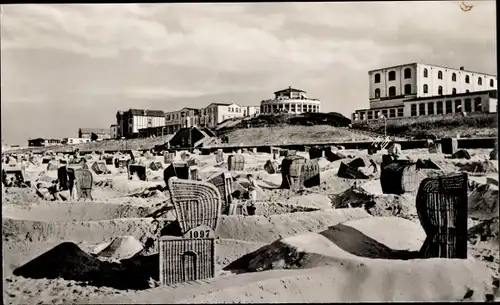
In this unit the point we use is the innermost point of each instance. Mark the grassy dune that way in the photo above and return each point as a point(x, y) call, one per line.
point(293, 134)
point(472, 125)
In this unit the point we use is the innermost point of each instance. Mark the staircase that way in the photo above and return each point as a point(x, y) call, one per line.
point(382, 142)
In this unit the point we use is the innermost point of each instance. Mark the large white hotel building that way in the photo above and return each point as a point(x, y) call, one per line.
point(420, 89)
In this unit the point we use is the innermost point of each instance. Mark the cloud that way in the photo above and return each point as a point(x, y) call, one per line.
point(113, 56)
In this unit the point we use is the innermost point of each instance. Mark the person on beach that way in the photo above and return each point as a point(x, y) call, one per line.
point(252, 189)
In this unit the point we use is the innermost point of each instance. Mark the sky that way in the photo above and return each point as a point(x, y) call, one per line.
point(65, 67)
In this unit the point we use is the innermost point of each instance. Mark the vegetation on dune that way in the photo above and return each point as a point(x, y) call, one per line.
point(132, 144)
point(474, 125)
point(292, 134)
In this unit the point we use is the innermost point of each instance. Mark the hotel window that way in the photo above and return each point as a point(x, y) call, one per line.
point(407, 73)
point(426, 88)
point(449, 107)
point(468, 105)
point(392, 113)
point(426, 73)
point(454, 77)
point(454, 91)
point(421, 109)
point(401, 111)
point(377, 93)
point(440, 75)
point(407, 89)
point(370, 115)
point(458, 105)
point(477, 104)
point(392, 91)
point(467, 80)
point(492, 84)
point(430, 108)
point(293, 108)
point(480, 81)
point(377, 78)
point(439, 107)
point(440, 90)
point(392, 75)
point(413, 111)
point(384, 113)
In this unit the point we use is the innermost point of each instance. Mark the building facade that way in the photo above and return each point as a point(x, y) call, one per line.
point(113, 131)
point(186, 117)
point(70, 141)
point(251, 111)
point(393, 90)
point(290, 101)
point(129, 122)
point(102, 133)
point(40, 142)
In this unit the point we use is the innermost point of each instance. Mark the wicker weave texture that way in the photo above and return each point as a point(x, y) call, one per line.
point(236, 163)
point(400, 177)
point(219, 157)
point(84, 182)
point(184, 260)
point(193, 173)
point(168, 157)
point(224, 183)
point(449, 145)
point(442, 210)
point(297, 172)
point(196, 203)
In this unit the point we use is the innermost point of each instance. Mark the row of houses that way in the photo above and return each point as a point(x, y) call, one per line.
point(142, 122)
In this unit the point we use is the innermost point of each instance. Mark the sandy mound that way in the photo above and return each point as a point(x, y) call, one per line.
point(66, 260)
point(376, 205)
point(273, 208)
point(370, 280)
point(121, 248)
point(91, 231)
point(367, 237)
point(315, 201)
point(484, 231)
point(269, 229)
point(485, 166)
point(74, 211)
point(483, 202)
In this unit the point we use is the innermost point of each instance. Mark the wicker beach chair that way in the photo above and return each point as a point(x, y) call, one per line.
point(236, 162)
point(442, 209)
point(196, 203)
point(224, 183)
point(400, 176)
point(219, 157)
point(298, 172)
point(315, 152)
point(139, 170)
point(84, 182)
point(168, 157)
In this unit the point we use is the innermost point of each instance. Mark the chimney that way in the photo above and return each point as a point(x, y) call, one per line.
point(289, 87)
point(462, 68)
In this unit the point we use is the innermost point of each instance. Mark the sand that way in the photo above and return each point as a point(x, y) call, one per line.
point(360, 251)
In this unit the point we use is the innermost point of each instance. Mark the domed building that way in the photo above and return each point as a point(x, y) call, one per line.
point(290, 101)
